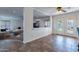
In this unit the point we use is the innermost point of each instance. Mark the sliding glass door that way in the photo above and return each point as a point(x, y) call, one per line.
point(65, 26)
point(71, 27)
point(59, 26)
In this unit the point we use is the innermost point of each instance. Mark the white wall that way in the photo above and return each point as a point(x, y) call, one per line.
point(27, 24)
point(31, 33)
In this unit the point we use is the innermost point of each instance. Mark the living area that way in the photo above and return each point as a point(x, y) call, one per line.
point(39, 29)
point(11, 28)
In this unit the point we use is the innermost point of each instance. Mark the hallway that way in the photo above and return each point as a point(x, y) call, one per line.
point(52, 43)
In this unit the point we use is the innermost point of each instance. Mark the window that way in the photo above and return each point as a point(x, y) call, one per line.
point(5, 24)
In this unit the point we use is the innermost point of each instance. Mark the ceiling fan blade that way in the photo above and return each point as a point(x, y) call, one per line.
point(63, 10)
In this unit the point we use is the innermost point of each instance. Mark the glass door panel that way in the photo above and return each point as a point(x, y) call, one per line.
point(59, 26)
point(71, 27)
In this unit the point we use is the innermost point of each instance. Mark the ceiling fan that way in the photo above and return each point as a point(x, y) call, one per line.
point(60, 9)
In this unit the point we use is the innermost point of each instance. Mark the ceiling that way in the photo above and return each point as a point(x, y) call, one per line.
point(11, 11)
point(51, 11)
point(37, 11)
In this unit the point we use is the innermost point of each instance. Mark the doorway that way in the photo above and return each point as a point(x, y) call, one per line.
point(71, 27)
point(65, 27)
